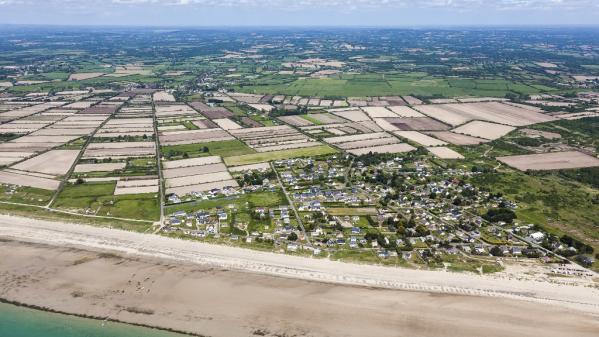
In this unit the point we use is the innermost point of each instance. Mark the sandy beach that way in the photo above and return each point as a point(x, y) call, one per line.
point(223, 291)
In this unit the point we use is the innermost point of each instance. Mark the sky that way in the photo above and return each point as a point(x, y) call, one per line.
point(300, 12)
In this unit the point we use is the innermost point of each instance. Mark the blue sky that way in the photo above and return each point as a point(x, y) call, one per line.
point(300, 12)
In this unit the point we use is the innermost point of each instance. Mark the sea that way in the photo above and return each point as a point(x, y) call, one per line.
point(16, 321)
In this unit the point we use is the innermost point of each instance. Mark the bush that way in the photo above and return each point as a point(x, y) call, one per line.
point(500, 214)
point(496, 251)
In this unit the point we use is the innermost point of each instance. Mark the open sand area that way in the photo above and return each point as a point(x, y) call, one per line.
point(204, 289)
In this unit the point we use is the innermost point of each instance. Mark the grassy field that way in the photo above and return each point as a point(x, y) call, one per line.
point(78, 85)
point(352, 211)
point(278, 155)
point(226, 148)
point(558, 205)
point(360, 85)
point(44, 214)
point(255, 199)
point(56, 75)
point(98, 198)
point(311, 119)
point(26, 195)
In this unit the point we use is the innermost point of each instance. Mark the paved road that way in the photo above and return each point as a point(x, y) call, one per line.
point(290, 201)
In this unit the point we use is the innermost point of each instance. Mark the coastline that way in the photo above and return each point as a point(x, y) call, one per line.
point(95, 318)
point(583, 297)
point(211, 300)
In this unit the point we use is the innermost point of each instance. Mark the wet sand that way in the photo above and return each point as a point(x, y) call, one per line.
point(219, 302)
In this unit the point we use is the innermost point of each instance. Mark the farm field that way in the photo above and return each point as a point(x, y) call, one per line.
point(456, 138)
point(444, 152)
point(225, 148)
point(99, 198)
point(462, 150)
point(550, 161)
point(278, 155)
point(376, 85)
point(485, 130)
point(419, 138)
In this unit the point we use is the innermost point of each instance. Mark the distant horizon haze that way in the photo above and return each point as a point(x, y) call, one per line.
point(305, 13)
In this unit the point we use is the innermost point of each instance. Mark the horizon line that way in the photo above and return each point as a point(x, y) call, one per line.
point(564, 25)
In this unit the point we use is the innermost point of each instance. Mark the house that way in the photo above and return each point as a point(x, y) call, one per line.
point(537, 236)
point(202, 217)
point(479, 249)
point(451, 251)
point(223, 216)
point(174, 199)
point(383, 254)
point(180, 214)
point(516, 251)
point(314, 206)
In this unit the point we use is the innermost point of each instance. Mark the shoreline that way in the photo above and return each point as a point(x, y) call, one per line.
point(95, 318)
point(294, 267)
point(208, 301)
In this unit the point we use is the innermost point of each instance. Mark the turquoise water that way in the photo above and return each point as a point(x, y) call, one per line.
point(23, 322)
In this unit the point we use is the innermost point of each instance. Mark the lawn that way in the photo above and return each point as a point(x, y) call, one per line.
point(278, 155)
point(226, 148)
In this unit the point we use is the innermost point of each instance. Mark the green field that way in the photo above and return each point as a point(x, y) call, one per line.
point(389, 84)
point(99, 199)
point(26, 195)
point(278, 155)
point(45, 214)
point(226, 148)
point(311, 119)
point(558, 205)
point(241, 202)
point(351, 211)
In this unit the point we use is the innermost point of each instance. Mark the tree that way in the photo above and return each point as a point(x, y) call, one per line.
point(422, 231)
point(205, 149)
point(292, 237)
point(496, 251)
point(500, 214)
point(411, 222)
